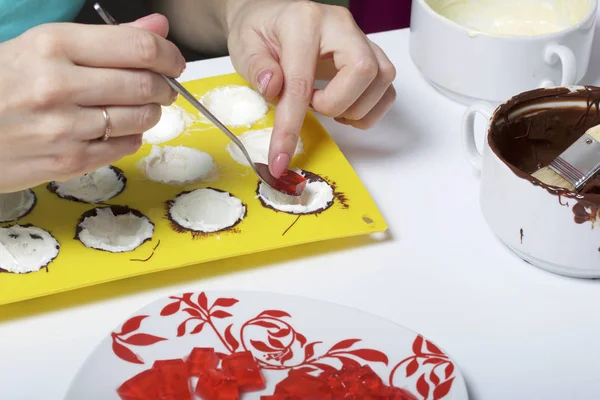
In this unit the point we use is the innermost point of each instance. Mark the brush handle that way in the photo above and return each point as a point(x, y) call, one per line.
point(594, 132)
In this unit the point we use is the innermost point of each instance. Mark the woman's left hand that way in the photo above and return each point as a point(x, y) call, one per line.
point(281, 47)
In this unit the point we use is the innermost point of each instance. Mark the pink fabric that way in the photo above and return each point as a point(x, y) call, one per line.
point(381, 15)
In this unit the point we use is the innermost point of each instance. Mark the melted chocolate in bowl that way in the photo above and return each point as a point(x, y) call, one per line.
point(533, 128)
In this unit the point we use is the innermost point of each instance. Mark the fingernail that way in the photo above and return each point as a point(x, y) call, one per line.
point(311, 108)
point(174, 97)
point(343, 121)
point(280, 164)
point(263, 81)
point(147, 17)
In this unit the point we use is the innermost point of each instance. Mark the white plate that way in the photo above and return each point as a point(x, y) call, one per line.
point(283, 332)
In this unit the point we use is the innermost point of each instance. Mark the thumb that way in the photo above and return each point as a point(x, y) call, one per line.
point(155, 23)
point(259, 67)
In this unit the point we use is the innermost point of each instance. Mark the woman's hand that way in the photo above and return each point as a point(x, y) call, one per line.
point(53, 81)
point(282, 46)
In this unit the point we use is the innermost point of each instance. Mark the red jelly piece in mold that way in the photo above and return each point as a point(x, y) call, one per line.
point(201, 360)
point(246, 371)
point(304, 386)
point(217, 385)
point(174, 379)
point(290, 183)
point(143, 386)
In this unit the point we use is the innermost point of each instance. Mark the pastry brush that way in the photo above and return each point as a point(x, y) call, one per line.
point(573, 168)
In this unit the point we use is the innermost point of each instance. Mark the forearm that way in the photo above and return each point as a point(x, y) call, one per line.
point(200, 25)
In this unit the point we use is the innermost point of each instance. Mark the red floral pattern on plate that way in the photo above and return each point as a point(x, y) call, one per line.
point(138, 339)
point(277, 345)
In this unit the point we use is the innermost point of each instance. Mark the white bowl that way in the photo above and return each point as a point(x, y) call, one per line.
point(552, 229)
point(468, 63)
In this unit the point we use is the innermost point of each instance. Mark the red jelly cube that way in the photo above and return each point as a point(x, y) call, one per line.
point(362, 396)
point(279, 397)
point(201, 360)
point(143, 386)
point(400, 394)
point(343, 381)
point(243, 367)
point(290, 183)
point(174, 379)
point(368, 378)
point(243, 359)
point(217, 385)
point(304, 386)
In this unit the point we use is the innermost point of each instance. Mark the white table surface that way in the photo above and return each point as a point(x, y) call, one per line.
point(515, 331)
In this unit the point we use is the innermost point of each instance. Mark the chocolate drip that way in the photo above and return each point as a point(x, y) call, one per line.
point(522, 235)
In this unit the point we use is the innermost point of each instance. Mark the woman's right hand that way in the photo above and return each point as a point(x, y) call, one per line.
point(55, 78)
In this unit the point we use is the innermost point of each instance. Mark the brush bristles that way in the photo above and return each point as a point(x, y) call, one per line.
point(551, 178)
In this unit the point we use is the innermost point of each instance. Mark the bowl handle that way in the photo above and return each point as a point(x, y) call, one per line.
point(468, 132)
point(555, 53)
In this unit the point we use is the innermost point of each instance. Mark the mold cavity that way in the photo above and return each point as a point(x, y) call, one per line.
point(236, 106)
point(14, 206)
point(178, 165)
point(93, 188)
point(115, 229)
point(205, 211)
point(514, 17)
point(257, 144)
point(26, 248)
point(317, 197)
point(172, 123)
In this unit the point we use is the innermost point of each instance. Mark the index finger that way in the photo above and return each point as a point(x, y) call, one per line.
point(105, 46)
point(298, 62)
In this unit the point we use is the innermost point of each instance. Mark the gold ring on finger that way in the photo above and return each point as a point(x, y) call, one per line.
point(107, 124)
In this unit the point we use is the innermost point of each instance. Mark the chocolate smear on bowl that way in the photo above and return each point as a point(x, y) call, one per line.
point(26, 248)
point(528, 134)
point(583, 214)
point(114, 229)
point(205, 212)
point(88, 184)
